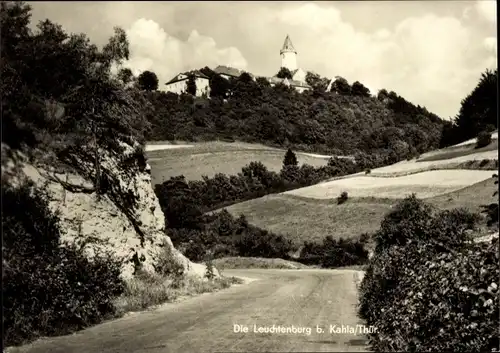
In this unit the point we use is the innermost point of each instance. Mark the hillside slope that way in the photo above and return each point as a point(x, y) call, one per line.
point(311, 213)
point(339, 123)
point(106, 224)
point(209, 158)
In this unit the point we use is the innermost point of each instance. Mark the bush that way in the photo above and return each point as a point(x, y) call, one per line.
point(72, 292)
point(334, 253)
point(342, 198)
point(422, 300)
point(168, 266)
point(368, 171)
point(209, 273)
point(428, 287)
point(491, 210)
point(483, 139)
point(409, 218)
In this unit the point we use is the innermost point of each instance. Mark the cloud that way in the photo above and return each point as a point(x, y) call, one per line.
point(417, 49)
point(151, 48)
point(490, 44)
point(431, 60)
point(487, 9)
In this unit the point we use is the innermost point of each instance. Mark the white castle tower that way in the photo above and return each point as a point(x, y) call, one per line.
point(288, 55)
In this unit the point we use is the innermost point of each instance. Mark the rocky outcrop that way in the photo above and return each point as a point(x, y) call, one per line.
point(104, 222)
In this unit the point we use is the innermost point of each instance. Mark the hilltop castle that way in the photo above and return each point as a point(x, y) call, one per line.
point(288, 60)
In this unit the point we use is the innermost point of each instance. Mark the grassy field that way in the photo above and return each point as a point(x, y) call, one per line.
point(218, 157)
point(424, 185)
point(313, 219)
point(256, 262)
point(458, 151)
point(306, 219)
point(312, 213)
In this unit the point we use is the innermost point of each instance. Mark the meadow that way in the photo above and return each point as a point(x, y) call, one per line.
point(445, 178)
point(313, 219)
point(311, 213)
point(209, 158)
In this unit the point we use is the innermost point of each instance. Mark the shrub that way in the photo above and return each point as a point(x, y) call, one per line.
point(342, 198)
point(491, 210)
point(368, 171)
point(72, 292)
point(334, 253)
point(483, 139)
point(168, 266)
point(439, 301)
point(343, 165)
point(428, 287)
point(364, 238)
point(409, 218)
point(209, 273)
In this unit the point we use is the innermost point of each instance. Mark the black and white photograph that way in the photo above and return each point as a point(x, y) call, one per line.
point(249, 176)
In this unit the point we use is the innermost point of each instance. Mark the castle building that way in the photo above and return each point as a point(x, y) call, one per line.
point(288, 60)
point(288, 55)
point(178, 84)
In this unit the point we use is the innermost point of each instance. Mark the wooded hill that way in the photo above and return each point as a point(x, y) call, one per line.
point(342, 121)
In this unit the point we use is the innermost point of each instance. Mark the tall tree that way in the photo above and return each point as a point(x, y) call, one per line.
point(263, 82)
point(290, 159)
point(317, 82)
point(479, 108)
point(207, 72)
point(284, 73)
point(219, 86)
point(191, 85)
point(358, 89)
point(148, 81)
point(125, 75)
point(341, 86)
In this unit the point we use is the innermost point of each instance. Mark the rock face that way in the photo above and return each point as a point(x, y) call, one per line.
point(104, 224)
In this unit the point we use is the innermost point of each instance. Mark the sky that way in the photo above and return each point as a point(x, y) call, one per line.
point(430, 52)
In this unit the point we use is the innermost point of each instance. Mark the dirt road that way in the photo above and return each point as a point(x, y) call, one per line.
point(312, 299)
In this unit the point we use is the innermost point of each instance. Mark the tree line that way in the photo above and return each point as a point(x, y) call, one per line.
point(199, 235)
point(340, 118)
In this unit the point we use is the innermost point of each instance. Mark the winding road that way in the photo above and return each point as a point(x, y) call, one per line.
point(303, 298)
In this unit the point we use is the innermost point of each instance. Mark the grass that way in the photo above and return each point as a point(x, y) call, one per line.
point(459, 151)
point(424, 185)
point(313, 219)
point(256, 262)
point(217, 157)
point(306, 219)
point(145, 291)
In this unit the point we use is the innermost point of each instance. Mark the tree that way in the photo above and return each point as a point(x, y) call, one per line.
point(245, 77)
point(479, 108)
point(148, 81)
point(316, 81)
point(191, 85)
point(284, 73)
point(219, 86)
point(341, 86)
point(263, 82)
point(382, 95)
point(358, 89)
point(290, 159)
point(208, 72)
point(125, 75)
point(483, 139)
